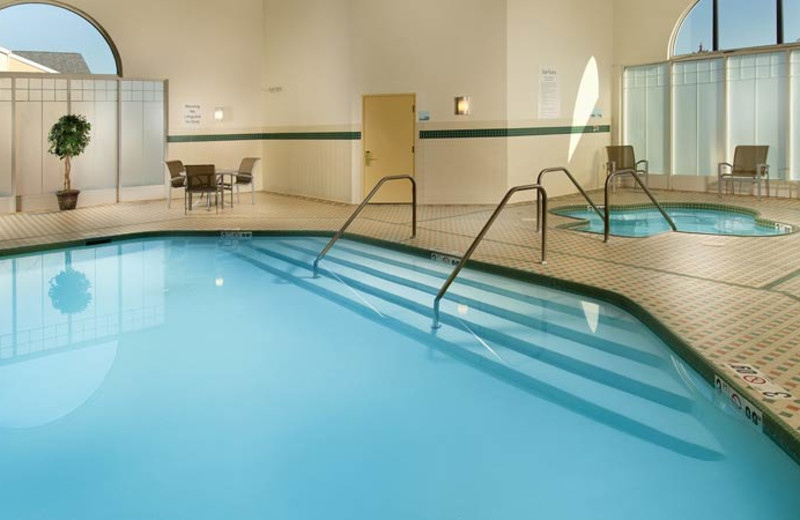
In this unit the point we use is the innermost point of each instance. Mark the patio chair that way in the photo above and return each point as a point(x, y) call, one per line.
point(177, 178)
point(621, 157)
point(243, 177)
point(201, 179)
point(749, 164)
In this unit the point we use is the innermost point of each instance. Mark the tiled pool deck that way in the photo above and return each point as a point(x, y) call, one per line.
point(730, 299)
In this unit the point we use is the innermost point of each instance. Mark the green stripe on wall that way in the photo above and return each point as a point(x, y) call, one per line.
point(282, 136)
point(424, 134)
point(512, 132)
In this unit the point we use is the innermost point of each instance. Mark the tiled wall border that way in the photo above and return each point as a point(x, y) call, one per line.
point(786, 438)
point(264, 136)
point(512, 132)
point(473, 133)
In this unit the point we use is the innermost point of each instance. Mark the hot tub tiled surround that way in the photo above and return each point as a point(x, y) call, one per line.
point(579, 223)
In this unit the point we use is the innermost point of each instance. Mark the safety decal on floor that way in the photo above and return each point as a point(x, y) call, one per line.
point(758, 381)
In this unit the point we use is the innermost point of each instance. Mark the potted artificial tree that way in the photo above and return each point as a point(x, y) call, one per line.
point(68, 138)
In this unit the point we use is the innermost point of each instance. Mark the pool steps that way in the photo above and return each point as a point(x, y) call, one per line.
point(534, 337)
point(552, 298)
point(511, 306)
point(633, 396)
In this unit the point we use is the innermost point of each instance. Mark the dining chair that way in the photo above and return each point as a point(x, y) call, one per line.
point(749, 164)
point(244, 176)
point(622, 157)
point(177, 178)
point(201, 179)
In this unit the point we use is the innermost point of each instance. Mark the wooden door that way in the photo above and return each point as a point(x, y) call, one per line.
point(388, 137)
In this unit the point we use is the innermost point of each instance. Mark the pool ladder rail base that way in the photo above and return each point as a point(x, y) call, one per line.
point(540, 191)
point(539, 181)
point(607, 217)
point(604, 213)
point(360, 208)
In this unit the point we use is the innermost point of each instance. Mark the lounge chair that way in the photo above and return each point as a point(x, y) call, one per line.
point(621, 157)
point(749, 164)
point(177, 178)
point(243, 176)
point(201, 179)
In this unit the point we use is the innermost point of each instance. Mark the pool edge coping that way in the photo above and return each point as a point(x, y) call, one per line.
point(773, 427)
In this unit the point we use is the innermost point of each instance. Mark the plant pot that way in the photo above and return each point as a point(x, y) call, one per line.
point(67, 199)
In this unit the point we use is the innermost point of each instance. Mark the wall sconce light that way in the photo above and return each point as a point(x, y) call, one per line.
point(219, 114)
point(462, 106)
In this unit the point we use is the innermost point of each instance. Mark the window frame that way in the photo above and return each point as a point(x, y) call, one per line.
point(715, 32)
point(791, 126)
point(74, 10)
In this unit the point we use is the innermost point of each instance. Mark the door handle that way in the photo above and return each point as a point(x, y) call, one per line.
point(368, 158)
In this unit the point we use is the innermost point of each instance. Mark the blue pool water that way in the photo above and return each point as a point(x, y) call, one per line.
point(648, 222)
point(199, 379)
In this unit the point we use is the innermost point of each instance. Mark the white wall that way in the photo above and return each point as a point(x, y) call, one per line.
point(210, 52)
point(307, 79)
point(304, 65)
point(643, 31)
point(325, 55)
point(306, 54)
point(574, 40)
point(439, 50)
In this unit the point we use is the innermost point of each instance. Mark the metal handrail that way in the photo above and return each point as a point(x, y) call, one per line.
point(540, 190)
point(575, 182)
point(607, 219)
point(363, 204)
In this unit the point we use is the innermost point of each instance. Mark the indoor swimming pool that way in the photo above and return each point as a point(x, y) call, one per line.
point(646, 221)
point(211, 378)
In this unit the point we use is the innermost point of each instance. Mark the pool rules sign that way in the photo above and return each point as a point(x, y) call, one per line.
point(549, 93)
point(192, 115)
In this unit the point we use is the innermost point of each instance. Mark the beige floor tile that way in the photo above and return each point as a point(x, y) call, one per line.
point(729, 298)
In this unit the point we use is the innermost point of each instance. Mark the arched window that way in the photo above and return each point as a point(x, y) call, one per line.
point(54, 38)
point(722, 25)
